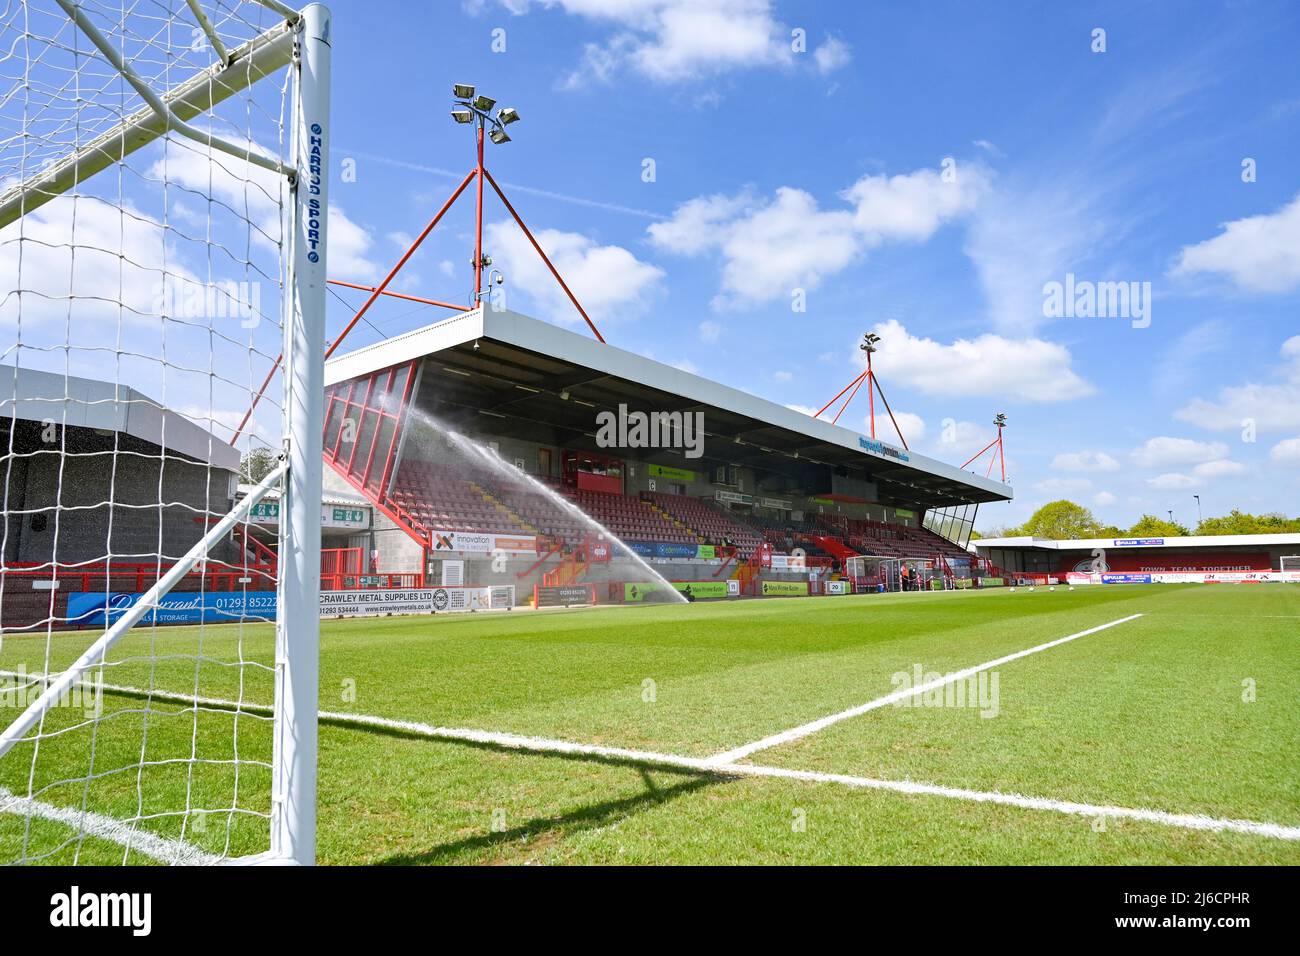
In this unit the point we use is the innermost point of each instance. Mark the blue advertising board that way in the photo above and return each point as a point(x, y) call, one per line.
point(1139, 542)
point(672, 550)
point(1116, 577)
point(99, 608)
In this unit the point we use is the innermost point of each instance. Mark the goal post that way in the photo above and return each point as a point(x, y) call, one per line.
point(163, 226)
point(1289, 565)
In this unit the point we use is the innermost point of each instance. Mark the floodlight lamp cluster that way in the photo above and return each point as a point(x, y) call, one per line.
point(471, 107)
point(869, 342)
point(1000, 420)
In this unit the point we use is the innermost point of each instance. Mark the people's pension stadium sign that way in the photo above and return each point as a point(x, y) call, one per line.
point(880, 448)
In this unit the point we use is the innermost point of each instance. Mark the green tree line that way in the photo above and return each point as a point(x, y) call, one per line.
point(1065, 519)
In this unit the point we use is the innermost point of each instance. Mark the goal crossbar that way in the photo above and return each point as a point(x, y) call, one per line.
point(260, 57)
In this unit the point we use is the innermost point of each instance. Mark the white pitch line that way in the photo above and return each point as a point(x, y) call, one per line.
point(709, 765)
point(1186, 821)
point(175, 852)
point(812, 727)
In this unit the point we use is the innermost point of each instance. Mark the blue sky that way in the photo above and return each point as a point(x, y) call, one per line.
point(823, 170)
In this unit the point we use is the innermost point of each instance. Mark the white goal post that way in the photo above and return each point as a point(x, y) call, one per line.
point(163, 223)
point(1289, 565)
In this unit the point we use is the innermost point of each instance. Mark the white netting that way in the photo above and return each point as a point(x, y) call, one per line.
point(143, 288)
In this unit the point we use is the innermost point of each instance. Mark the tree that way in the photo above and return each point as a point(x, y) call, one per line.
point(256, 465)
point(1062, 520)
point(1240, 522)
point(1149, 526)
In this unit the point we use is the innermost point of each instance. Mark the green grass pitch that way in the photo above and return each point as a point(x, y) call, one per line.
point(1188, 709)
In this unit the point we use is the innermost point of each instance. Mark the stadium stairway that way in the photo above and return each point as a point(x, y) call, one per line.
point(501, 506)
point(834, 547)
point(677, 522)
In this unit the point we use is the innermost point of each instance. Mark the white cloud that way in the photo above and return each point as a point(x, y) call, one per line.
point(913, 206)
point(74, 260)
point(958, 440)
point(349, 245)
point(1027, 369)
point(608, 280)
point(695, 225)
point(1022, 236)
point(710, 331)
point(1272, 406)
point(832, 55)
point(783, 376)
point(1163, 452)
point(770, 247)
point(671, 41)
point(1103, 499)
point(1220, 468)
point(913, 426)
point(1288, 449)
point(787, 244)
point(1064, 486)
point(256, 194)
point(1172, 481)
point(1085, 461)
point(806, 409)
point(1258, 253)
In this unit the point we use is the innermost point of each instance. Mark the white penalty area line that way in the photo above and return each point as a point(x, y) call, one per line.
point(711, 766)
point(176, 852)
point(905, 693)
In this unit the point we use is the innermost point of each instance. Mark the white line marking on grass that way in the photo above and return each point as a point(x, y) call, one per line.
point(803, 730)
point(175, 852)
point(1186, 821)
point(710, 765)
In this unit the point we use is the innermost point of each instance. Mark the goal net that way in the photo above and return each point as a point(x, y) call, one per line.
point(1289, 565)
point(162, 252)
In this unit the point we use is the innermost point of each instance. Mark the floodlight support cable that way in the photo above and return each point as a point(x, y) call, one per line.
point(376, 292)
point(397, 295)
point(876, 382)
point(555, 272)
point(841, 392)
point(849, 400)
point(873, 386)
point(1000, 457)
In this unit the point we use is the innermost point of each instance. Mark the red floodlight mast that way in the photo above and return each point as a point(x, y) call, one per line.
point(1000, 457)
point(869, 343)
point(469, 108)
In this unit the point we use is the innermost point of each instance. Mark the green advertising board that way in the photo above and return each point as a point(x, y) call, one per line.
point(672, 474)
point(785, 588)
point(706, 552)
point(635, 593)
